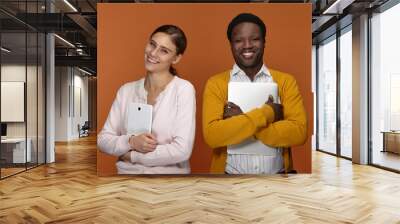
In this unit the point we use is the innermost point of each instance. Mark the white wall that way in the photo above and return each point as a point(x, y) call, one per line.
point(61, 103)
point(81, 102)
point(71, 93)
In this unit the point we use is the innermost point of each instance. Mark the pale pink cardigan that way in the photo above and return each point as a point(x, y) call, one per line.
point(174, 116)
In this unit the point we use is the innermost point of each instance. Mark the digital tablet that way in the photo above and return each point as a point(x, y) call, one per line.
point(140, 118)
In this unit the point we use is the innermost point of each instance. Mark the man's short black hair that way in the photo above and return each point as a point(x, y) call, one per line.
point(245, 17)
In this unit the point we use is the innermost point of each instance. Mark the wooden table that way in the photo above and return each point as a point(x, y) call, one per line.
point(391, 141)
point(13, 151)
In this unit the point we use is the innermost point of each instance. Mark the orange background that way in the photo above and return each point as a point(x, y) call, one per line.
point(124, 29)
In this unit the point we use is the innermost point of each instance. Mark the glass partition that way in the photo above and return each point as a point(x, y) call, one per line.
point(22, 88)
point(13, 103)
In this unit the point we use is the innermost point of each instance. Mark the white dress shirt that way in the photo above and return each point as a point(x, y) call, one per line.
point(254, 163)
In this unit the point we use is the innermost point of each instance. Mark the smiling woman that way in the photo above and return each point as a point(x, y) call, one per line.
point(167, 148)
point(168, 42)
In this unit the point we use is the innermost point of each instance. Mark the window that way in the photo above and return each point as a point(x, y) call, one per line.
point(385, 87)
point(327, 96)
point(346, 93)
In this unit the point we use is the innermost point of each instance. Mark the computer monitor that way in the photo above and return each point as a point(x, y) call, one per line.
point(3, 129)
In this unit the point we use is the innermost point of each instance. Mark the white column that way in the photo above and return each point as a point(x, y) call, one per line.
point(360, 90)
point(314, 92)
point(50, 92)
point(50, 100)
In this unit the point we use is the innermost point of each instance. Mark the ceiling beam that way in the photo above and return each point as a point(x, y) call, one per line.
point(84, 24)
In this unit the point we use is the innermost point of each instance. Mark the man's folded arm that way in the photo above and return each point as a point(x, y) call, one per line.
point(219, 132)
point(292, 130)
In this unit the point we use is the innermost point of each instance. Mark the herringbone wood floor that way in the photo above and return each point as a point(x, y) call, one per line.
point(70, 192)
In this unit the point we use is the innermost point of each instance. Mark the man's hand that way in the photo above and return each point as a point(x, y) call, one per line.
point(231, 109)
point(278, 108)
point(143, 143)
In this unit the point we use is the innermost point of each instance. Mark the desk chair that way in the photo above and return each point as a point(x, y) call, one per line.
point(84, 130)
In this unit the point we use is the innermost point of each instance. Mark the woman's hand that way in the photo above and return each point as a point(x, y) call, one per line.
point(143, 143)
point(126, 157)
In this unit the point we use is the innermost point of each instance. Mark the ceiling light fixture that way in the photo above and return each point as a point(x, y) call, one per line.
point(5, 50)
point(79, 51)
point(337, 7)
point(84, 71)
point(70, 5)
point(64, 40)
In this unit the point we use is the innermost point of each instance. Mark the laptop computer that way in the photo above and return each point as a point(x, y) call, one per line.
point(248, 96)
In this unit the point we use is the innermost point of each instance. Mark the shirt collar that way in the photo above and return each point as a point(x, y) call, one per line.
point(238, 71)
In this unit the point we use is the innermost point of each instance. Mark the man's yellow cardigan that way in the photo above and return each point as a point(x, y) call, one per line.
point(218, 133)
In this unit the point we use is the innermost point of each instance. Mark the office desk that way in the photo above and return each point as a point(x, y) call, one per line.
point(13, 150)
point(391, 141)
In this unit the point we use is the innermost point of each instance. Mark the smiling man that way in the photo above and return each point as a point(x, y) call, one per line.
point(276, 126)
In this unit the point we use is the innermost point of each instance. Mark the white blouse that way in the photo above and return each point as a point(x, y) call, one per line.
point(174, 116)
